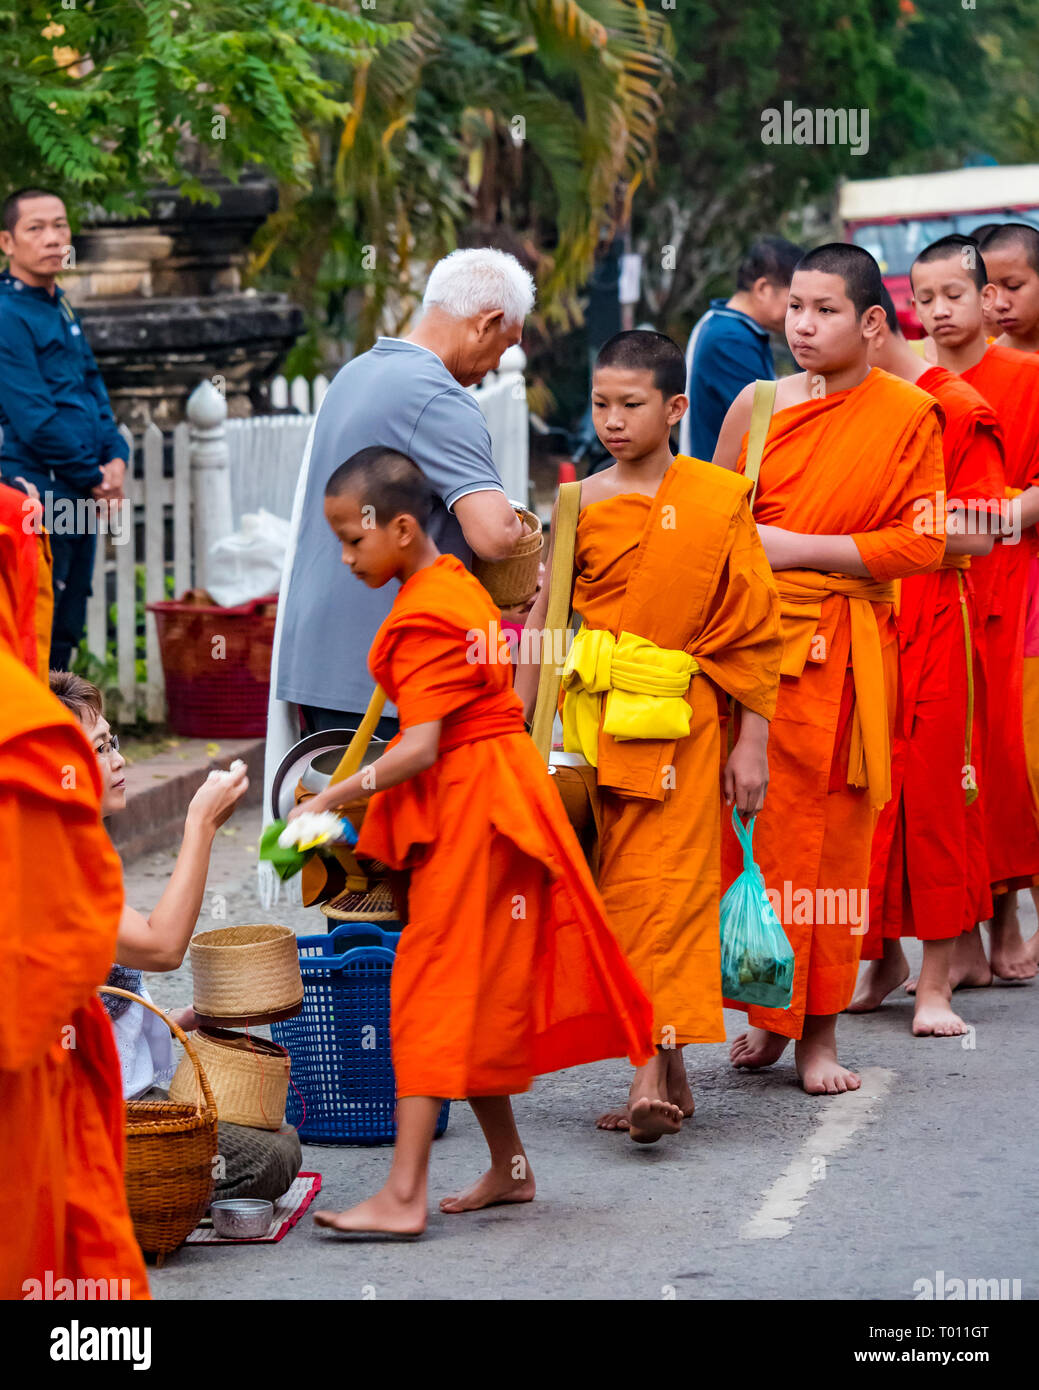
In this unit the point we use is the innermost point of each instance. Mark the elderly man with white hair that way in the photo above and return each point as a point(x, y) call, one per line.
point(405, 393)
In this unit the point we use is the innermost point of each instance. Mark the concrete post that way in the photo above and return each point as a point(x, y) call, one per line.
point(210, 475)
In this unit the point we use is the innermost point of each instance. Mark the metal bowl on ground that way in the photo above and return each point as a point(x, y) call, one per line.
point(241, 1218)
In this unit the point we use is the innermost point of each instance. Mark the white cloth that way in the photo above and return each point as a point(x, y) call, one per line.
point(282, 715)
point(145, 1047)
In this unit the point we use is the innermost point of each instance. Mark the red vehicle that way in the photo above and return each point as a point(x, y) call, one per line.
point(894, 219)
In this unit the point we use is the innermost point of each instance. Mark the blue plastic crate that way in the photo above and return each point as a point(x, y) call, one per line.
point(340, 1042)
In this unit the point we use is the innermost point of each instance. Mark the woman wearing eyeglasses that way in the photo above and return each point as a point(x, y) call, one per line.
point(158, 942)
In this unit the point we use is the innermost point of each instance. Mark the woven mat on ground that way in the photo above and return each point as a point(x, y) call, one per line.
point(287, 1211)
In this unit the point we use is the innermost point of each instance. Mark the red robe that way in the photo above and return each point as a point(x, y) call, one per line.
point(1009, 382)
point(929, 872)
point(507, 967)
point(33, 594)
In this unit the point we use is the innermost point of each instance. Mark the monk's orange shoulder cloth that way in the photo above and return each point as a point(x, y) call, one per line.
point(700, 583)
point(34, 599)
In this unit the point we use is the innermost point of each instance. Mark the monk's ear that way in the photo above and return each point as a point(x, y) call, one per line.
point(988, 298)
point(676, 408)
point(873, 321)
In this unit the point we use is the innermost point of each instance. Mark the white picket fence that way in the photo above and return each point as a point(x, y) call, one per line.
point(222, 469)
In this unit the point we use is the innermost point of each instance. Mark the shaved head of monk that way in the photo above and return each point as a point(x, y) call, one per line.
point(1011, 253)
point(950, 293)
point(834, 310)
point(379, 504)
point(638, 395)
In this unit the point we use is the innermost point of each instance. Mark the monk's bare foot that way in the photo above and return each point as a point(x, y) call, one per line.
point(820, 1072)
point(382, 1214)
point(757, 1048)
point(970, 968)
point(878, 979)
point(652, 1118)
point(494, 1189)
point(678, 1089)
point(1032, 945)
point(1011, 959)
point(614, 1119)
point(934, 1017)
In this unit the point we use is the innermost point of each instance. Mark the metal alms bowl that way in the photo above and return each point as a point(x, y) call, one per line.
point(241, 1218)
point(312, 762)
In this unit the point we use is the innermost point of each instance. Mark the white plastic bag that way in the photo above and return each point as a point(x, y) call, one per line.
point(248, 564)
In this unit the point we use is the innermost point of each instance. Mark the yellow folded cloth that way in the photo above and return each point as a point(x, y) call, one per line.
point(644, 686)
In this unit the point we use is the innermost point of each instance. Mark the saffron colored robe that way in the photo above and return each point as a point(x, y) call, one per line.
point(929, 876)
point(867, 463)
point(33, 596)
point(686, 570)
point(1009, 381)
point(62, 1204)
point(507, 967)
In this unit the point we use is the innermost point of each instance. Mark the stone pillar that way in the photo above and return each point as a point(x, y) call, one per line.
point(210, 475)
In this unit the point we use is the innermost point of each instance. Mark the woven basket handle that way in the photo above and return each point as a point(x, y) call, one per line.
point(177, 1032)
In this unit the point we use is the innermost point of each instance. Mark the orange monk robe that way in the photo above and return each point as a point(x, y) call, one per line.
point(687, 570)
point(507, 967)
point(33, 593)
point(1030, 682)
point(1009, 382)
point(929, 875)
point(63, 1208)
point(865, 463)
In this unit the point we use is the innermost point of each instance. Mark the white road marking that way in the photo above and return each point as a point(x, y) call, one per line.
point(843, 1117)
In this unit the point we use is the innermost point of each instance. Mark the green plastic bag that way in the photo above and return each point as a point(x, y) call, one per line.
point(757, 958)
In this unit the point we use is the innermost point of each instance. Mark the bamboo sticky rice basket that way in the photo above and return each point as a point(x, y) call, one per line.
point(170, 1148)
point(246, 975)
point(513, 581)
point(249, 1077)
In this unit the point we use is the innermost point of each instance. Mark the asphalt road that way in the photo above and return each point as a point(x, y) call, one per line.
point(768, 1193)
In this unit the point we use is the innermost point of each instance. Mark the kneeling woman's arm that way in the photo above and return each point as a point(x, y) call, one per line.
point(158, 942)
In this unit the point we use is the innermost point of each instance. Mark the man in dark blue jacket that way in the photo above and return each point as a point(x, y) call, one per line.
point(730, 346)
point(59, 434)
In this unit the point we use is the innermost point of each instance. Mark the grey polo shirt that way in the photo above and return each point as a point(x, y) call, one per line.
point(402, 396)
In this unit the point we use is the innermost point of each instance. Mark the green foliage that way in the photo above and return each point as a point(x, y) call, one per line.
point(512, 124)
point(941, 83)
point(107, 98)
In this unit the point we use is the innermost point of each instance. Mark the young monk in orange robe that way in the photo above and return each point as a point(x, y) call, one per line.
point(63, 1209)
point(929, 875)
point(1011, 253)
point(951, 290)
point(667, 561)
point(507, 967)
point(847, 502)
point(22, 515)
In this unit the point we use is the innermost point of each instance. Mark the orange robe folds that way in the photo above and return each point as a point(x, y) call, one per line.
point(33, 594)
point(865, 463)
point(1009, 382)
point(63, 1209)
point(507, 967)
point(929, 875)
point(686, 570)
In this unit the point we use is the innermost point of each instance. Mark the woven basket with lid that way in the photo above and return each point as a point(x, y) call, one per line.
point(246, 975)
point(249, 1077)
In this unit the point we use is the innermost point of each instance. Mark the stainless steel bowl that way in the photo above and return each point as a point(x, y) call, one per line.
point(241, 1218)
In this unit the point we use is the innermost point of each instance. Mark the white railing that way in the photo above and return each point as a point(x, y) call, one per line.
point(221, 469)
